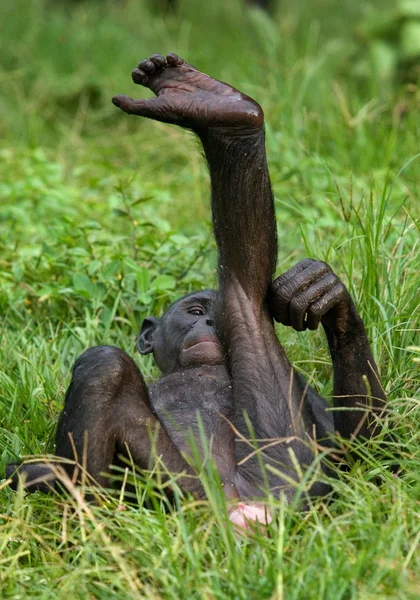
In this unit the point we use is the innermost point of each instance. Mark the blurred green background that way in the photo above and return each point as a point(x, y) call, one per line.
point(105, 218)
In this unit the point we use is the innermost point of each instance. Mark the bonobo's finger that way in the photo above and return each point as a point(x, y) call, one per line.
point(322, 306)
point(174, 60)
point(293, 271)
point(291, 283)
point(278, 304)
point(301, 303)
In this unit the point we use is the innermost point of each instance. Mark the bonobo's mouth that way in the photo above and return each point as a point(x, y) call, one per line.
point(204, 351)
point(202, 340)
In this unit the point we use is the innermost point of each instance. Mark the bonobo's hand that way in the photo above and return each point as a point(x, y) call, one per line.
point(189, 98)
point(310, 293)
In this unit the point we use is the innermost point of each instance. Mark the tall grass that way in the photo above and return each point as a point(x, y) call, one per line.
point(105, 219)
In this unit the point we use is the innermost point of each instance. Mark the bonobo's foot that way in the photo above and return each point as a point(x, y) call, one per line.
point(189, 98)
point(35, 476)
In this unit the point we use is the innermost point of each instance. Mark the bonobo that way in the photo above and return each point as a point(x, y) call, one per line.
point(218, 350)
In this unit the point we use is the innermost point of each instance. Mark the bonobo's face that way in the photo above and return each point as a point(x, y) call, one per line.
point(185, 336)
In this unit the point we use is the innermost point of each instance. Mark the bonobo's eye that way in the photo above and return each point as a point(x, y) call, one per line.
point(196, 310)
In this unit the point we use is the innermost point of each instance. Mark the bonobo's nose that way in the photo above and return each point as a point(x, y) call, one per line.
point(209, 322)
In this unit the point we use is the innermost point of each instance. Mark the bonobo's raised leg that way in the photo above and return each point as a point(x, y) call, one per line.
point(230, 127)
point(106, 414)
point(309, 294)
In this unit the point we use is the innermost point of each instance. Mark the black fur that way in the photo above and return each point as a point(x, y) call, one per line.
point(217, 350)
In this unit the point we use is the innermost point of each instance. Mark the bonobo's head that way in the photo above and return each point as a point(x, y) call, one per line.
point(185, 336)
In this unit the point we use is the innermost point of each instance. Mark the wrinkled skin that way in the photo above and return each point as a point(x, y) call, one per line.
point(185, 336)
point(217, 350)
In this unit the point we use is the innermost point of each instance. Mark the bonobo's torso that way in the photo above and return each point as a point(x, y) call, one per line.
point(207, 390)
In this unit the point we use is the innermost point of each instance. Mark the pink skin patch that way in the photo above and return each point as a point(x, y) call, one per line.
point(246, 516)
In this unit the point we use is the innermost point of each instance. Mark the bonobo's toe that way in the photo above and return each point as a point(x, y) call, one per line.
point(189, 98)
point(147, 66)
point(11, 469)
point(159, 61)
point(139, 76)
point(174, 60)
point(116, 101)
point(124, 103)
point(154, 65)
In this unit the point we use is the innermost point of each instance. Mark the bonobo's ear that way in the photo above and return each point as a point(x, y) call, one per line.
point(147, 332)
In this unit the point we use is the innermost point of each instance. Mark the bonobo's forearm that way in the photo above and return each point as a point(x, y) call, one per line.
point(310, 293)
point(356, 381)
point(242, 208)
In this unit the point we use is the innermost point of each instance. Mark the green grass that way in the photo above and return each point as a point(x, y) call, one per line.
point(104, 219)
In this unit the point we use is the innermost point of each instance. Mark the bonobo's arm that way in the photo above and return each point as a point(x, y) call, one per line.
point(309, 294)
